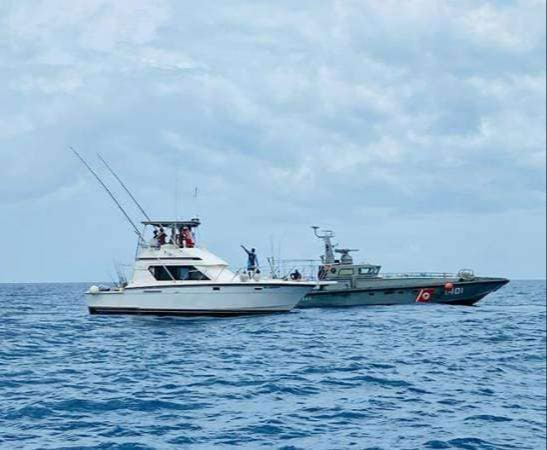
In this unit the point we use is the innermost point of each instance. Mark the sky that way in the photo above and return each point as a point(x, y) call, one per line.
point(413, 128)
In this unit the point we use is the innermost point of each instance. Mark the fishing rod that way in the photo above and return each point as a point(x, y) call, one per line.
point(137, 232)
point(125, 188)
point(120, 207)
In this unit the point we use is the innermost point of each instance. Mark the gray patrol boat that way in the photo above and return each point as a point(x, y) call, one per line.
point(363, 284)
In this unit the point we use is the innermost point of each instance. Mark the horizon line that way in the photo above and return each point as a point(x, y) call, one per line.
point(109, 282)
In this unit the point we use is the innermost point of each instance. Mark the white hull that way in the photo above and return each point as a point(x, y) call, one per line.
point(233, 299)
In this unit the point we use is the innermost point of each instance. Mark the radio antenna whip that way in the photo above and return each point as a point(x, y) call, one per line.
point(125, 188)
point(109, 192)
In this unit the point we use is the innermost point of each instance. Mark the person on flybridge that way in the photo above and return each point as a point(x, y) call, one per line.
point(155, 242)
point(187, 238)
point(174, 238)
point(162, 237)
point(252, 262)
point(182, 238)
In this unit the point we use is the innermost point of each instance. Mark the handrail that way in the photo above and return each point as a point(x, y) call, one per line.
point(309, 269)
point(419, 275)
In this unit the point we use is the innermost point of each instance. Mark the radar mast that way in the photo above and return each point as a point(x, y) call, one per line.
point(326, 237)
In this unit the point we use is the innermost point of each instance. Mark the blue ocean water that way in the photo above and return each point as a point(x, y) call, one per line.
point(405, 377)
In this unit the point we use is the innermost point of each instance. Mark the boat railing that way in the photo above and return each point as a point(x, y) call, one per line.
point(310, 269)
point(287, 269)
point(170, 246)
point(418, 275)
point(243, 274)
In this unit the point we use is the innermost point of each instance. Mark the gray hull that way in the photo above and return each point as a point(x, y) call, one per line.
point(404, 292)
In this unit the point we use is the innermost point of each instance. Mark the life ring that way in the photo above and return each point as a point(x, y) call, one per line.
point(425, 295)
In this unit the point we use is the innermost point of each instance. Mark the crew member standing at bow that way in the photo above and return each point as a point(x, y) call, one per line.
point(252, 262)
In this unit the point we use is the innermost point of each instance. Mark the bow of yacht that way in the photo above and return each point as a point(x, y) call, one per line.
point(176, 277)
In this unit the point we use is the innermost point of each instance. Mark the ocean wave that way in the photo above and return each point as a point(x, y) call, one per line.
point(365, 378)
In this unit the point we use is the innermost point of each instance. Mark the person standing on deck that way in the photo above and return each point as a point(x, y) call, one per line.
point(252, 262)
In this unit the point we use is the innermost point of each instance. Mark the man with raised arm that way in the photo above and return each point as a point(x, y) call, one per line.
point(252, 262)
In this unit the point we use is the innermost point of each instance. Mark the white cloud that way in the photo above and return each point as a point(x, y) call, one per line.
point(66, 82)
point(99, 25)
point(163, 59)
point(15, 125)
point(399, 105)
point(506, 28)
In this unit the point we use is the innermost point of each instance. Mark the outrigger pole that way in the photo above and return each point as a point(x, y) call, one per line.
point(109, 193)
point(137, 232)
point(125, 188)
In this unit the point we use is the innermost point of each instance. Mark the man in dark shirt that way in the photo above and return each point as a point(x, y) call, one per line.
point(252, 262)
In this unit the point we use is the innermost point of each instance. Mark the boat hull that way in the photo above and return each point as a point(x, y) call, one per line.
point(404, 292)
point(199, 300)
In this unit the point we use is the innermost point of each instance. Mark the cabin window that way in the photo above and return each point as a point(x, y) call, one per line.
point(178, 273)
point(346, 272)
point(369, 271)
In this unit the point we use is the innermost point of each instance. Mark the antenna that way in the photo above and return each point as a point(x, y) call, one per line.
point(125, 187)
point(176, 194)
point(196, 200)
point(120, 207)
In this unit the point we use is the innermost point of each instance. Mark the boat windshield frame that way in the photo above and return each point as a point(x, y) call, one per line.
point(143, 242)
point(194, 223)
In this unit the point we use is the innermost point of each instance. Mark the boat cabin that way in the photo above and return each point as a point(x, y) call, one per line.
point(349, 275)
point(338, 265)
point(171, 255)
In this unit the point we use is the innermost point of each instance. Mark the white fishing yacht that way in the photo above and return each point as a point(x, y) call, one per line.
point(179, 278)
